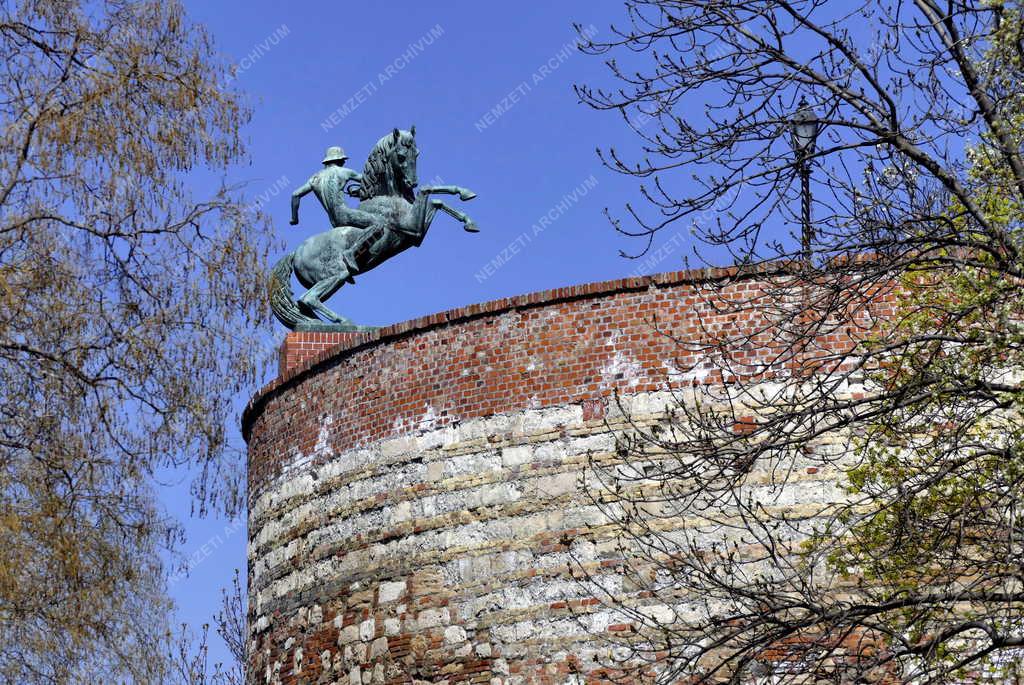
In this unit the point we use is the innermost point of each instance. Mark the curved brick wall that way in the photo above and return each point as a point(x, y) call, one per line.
point(414, 492)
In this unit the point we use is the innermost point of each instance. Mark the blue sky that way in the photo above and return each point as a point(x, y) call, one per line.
point(345, 74)
point(489, 87)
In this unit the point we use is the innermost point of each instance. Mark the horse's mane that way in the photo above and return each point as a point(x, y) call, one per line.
point(379, 172)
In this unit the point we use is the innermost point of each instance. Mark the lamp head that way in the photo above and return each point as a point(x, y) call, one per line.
point(803, 128)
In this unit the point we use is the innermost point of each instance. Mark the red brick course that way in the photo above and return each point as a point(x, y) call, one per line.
point(300, 347)
point(578, 344)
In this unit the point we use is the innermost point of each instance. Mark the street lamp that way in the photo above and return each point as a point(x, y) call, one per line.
point(803, 128)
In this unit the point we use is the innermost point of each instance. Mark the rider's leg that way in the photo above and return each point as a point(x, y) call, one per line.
point(468, 223)
point(348, 216)
point(355, 255)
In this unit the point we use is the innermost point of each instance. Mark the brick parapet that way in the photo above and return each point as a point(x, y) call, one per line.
point(569, 345)
point(302, 352)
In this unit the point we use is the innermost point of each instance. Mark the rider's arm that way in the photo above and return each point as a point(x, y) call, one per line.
point(305, 188)
point(353, 184)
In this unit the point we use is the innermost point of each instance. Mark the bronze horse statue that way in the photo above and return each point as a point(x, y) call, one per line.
point(326, 261)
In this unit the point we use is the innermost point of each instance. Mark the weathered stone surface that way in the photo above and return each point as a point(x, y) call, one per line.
point(425, 533)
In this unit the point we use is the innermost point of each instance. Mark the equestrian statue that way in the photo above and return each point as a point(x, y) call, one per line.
point(393, 215)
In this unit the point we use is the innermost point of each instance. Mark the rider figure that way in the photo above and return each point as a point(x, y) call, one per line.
point(330, 185)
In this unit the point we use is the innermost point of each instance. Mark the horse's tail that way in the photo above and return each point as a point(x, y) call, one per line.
point(282, 299)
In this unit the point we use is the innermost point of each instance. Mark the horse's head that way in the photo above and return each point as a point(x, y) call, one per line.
point(391, 166)
point(406, 153)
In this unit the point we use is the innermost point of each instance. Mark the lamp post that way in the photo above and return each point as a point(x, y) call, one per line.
point(803, 130)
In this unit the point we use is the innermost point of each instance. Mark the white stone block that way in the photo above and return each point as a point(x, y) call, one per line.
point(348, 634)
point(454, 634)
point(432, 618)
point(435, 470)
point(389, 592)
point(316, 615)
point(514, 456)
point(379, 647)
point(366, 629)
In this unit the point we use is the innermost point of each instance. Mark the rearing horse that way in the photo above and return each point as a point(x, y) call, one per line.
point(326, 261)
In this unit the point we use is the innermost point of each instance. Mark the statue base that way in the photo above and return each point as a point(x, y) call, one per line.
point(302, 346)
point(323, 327)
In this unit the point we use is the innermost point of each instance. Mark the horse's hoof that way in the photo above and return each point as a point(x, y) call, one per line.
point(467, 195)
point(472, 228)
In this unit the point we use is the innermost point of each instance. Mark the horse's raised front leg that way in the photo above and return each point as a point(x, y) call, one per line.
point(467, 223)
point(463, 193)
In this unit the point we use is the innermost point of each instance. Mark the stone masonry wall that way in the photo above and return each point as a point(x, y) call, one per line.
point(415, 492)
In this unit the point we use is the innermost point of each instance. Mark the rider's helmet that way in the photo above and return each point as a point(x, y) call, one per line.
point(335, 154)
